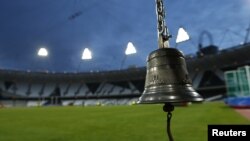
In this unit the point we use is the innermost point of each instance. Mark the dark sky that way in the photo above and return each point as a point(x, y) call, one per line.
point(105, 27)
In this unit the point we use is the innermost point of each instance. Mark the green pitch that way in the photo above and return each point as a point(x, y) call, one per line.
point(113, 123)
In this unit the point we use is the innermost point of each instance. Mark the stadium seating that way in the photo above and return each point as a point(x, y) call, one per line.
point(41, 93)
point(36, 90)
point(22, 88)
point(48, 89)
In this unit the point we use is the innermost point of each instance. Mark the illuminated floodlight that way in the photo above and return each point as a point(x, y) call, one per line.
point(43, 52)
point(86, 54)
point(182, 35)
point(130, 49)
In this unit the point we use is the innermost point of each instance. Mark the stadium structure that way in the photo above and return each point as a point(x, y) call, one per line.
point(27, 88)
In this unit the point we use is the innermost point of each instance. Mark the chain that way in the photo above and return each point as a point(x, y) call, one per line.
point(169, 108)
point(163, 35)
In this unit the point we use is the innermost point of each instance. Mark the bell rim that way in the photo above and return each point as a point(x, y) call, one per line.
point(144, 99)
point(177, 95)
point(199, 100)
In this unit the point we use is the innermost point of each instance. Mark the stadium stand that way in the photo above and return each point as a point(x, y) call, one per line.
point(27, 88)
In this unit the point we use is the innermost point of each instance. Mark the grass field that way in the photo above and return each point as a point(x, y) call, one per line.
point(113, 123)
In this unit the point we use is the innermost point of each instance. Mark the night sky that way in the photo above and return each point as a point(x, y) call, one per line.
point(66, 27)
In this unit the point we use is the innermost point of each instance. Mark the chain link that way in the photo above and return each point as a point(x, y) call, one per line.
point(163, 35)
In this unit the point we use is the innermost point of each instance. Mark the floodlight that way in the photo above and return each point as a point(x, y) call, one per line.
point(182, 35)
point(130, 49)
point(42, 52)
point(86, 54)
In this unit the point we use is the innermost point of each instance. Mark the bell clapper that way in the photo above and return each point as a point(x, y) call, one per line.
point(169, 108)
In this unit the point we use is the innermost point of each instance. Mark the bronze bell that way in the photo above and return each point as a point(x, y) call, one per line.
point(167, 79)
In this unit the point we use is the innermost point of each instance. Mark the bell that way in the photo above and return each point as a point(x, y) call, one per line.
point(167, 79)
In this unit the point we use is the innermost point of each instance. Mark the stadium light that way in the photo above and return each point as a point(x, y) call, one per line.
point(129, 51)
point(182, 35)
point(43, 52)
point(86, 54)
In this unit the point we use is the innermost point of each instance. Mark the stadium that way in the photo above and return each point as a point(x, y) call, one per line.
point(105, 104)
point(118, 87)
